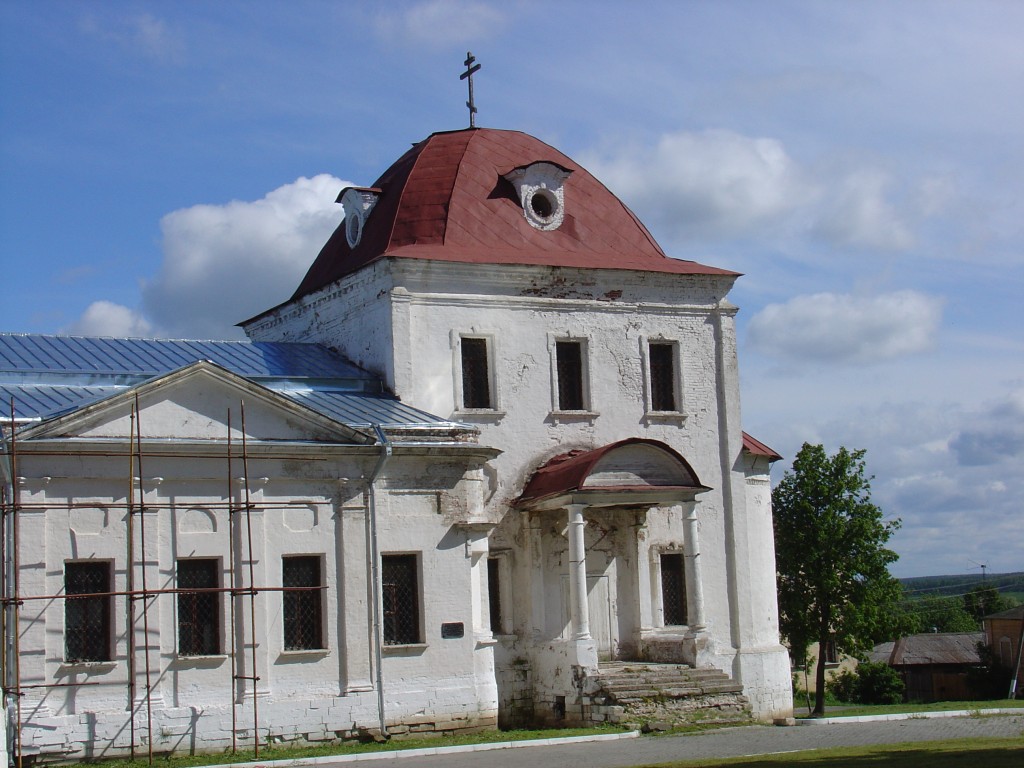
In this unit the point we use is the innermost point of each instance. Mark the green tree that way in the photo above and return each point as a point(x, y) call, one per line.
point(982, 600)
point(935, 614)
point(871, 683)
point(832, 562)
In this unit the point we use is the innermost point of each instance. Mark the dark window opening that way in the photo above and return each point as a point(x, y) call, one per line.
point(476, 384)
point(401, 598)
point(494, 593)
point(831, 656)
point(542, 205)
point(302, 603)
point(569, 362)
point(673, 588)
point(663, 379)
point(87, 628)
point(198, 612)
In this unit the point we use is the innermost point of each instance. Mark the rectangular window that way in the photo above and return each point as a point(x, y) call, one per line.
point(569, 363)
point(302, 603)
point(663, 376)
point(476, 374)
point(87, 628)
point(198, 612)
point(673, 588)
point(400, 583)
point(831, 656)
point(494, 593)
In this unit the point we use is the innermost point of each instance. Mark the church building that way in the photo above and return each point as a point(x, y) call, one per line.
point(484, 467)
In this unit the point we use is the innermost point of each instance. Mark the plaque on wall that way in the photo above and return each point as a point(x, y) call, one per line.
point(452, 630)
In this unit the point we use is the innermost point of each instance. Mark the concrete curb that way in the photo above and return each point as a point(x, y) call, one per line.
point(908, 716)
point(427, 751)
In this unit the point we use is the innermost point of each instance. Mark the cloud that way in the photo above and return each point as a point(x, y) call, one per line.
point(951, 512)
point(225, 263)
point(994, 436)
point(714, 182)
point(105, 318)
point(438, 23)
point(838, 328)
point(859, 213)
point(73, 275)
point(140, 33)
point(721, 184)
point(934, 195)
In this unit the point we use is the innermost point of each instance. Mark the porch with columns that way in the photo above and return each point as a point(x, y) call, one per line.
point(613, 489)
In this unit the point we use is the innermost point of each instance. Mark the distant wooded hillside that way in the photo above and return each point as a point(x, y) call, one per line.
point(1008, 584)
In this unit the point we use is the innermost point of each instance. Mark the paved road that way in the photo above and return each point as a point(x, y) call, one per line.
point(731, 742)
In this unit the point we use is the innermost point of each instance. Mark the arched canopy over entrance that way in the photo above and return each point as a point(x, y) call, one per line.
point(633, 472)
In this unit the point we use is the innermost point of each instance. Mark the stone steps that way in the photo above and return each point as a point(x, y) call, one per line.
point(669, 694)
point(624, 683)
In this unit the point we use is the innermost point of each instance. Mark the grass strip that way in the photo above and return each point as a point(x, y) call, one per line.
point(953, 753)
point(289, 752)
point(932, 706)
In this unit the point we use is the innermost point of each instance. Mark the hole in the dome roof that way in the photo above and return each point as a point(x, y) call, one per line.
point(543, 204)
point(353, 230)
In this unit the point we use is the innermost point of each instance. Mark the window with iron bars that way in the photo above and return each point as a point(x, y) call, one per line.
point(198, 612)
point(661, 356)
point(476, 374)
point(302, 603)
point(401, 598)
point(673, 588)
point(569, 366)
point(87, 628)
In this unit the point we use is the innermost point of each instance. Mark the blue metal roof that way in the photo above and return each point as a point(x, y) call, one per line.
point(47, 376)
point(358, 410)
point(31, 353)
point(41, 401)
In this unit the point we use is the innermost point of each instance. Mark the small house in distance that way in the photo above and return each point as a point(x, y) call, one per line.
point(485, 465)
point(934, 666)
point(1003, 632)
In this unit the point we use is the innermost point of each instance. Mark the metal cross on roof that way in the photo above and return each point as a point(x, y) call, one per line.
point(471, 67)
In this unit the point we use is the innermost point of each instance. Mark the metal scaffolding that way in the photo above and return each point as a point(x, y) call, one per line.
point(140, 597)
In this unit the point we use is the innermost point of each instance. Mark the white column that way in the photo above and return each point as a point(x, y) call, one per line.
point(476, 551)
point(645, 579)
point(537, 568)
point(578, 573)
point(356, 627)
point(696, 603)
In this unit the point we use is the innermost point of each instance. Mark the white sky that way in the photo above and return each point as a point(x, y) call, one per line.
point(170, 168)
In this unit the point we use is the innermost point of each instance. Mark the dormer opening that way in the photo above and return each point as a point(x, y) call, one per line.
point(359, 203)
point(541, 189)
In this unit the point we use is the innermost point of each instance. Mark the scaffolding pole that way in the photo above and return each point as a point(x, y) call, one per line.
point(130, 583)
point(231, 601)
point(145, 589)
point(15, 584)
point(4, 503)
point(12, 599)
point(252, 588)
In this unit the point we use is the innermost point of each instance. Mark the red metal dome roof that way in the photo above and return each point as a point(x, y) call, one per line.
point(446, 199)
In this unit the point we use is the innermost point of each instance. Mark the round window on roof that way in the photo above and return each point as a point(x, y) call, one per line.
point(542, 205)
point(353, 229)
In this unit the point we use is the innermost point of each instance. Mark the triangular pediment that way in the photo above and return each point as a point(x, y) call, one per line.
point(197, 403)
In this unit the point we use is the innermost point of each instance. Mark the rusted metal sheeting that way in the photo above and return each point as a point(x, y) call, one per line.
point(936, 648)
point(757, 448)
point(446, 199)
